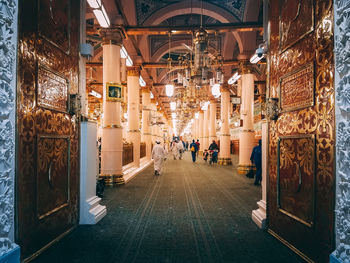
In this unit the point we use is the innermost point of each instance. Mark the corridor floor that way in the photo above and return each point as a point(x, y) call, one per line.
point(191, 213)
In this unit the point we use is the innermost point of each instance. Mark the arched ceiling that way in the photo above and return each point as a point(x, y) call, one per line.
point(152, 47)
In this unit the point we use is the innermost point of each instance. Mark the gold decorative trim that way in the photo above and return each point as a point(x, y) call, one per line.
point(133, 130)
point(290, 246)
point(113, 179)
point(112, 126)
point(114, 92)
point(133, 71)
point(147, 133)
point(247, 130)
point(245, 168)
point(225, 135)
point(44, 248)
point(225, 161)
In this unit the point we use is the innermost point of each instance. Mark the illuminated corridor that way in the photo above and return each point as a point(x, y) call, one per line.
point(191, 213)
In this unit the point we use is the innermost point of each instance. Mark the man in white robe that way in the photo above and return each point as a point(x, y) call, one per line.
point(181, 148)
point(175, 150)
point(158, 155)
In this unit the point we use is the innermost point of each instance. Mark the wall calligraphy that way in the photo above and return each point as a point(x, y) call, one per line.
point(297, 89)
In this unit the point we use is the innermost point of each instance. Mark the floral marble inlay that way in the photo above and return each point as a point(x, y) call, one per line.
point(8, 43)
point(342, 85)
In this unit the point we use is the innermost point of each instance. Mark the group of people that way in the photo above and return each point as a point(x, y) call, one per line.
point(177, 146)
point(159, 153)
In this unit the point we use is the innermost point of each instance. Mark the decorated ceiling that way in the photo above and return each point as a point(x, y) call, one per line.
point(145, 8)
point(224, 44)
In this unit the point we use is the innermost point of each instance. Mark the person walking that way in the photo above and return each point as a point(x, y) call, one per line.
point(180, 147)
point(194, 150)
point(198, 146)
point(256, 159)
point(214, 149)
point(175, 150)
point(158, 155)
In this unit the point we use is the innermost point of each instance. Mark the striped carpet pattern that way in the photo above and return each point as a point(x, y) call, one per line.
point(192, 212)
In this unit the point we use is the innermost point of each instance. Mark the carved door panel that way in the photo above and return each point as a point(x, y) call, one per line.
point(47, 160)
point(301, 141)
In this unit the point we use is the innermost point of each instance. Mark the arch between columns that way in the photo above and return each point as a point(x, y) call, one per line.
point(185, 8)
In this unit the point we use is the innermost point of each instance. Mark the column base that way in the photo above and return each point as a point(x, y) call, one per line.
point(113, 179)
point(334, 259)
point(245, 168)
point(259, 215)
point(225, 161)
point(11, 256)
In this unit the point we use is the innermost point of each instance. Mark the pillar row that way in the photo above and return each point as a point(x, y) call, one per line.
point(247, 134)
point(200, 130)
point(134, 135)
point(206, 129)
point(146, 135)
point(225, 153)
point(112, 131)
point(212, 123)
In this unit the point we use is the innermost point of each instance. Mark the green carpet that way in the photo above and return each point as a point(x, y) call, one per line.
point(193, 212)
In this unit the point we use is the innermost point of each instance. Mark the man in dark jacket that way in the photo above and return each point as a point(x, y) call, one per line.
point(194, 150)
point(256, 159)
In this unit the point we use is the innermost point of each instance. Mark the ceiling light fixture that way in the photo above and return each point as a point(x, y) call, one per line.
point(96, 94)
point(173, 105)
point(100, 12)
point(142, 82)
point(169, 90)
point(234, 78)
point(94, 3)
point(259, 54)
point(215, 90)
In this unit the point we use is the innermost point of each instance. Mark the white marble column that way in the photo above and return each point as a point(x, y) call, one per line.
point(134, 135)
point(146, 135)
point(193, 130)
point(225, 153)
point(206, 129)
point(196, 129)
point(259, 215)
point(212, 124)
point(200, 130)
point(342, 117)
point(246, 136)
point(153, 127)
point(90, 211)
point(112, 131)
point(9, 251)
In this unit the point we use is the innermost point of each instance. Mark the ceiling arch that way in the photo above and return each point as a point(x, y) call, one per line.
point(182, 8)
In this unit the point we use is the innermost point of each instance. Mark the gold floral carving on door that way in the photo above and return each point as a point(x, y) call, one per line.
point(48, 146)
point(53, 175)
point(296, 177)
point(299, 218)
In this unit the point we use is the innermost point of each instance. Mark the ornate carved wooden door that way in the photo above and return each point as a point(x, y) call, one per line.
point(301, 140)
point(47, 160)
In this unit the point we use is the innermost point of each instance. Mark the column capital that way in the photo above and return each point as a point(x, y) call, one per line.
point(134, 71)
point(245, 67)
point(212, 101)
point(146, 89)
point(112, 35)
point(224, 88)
